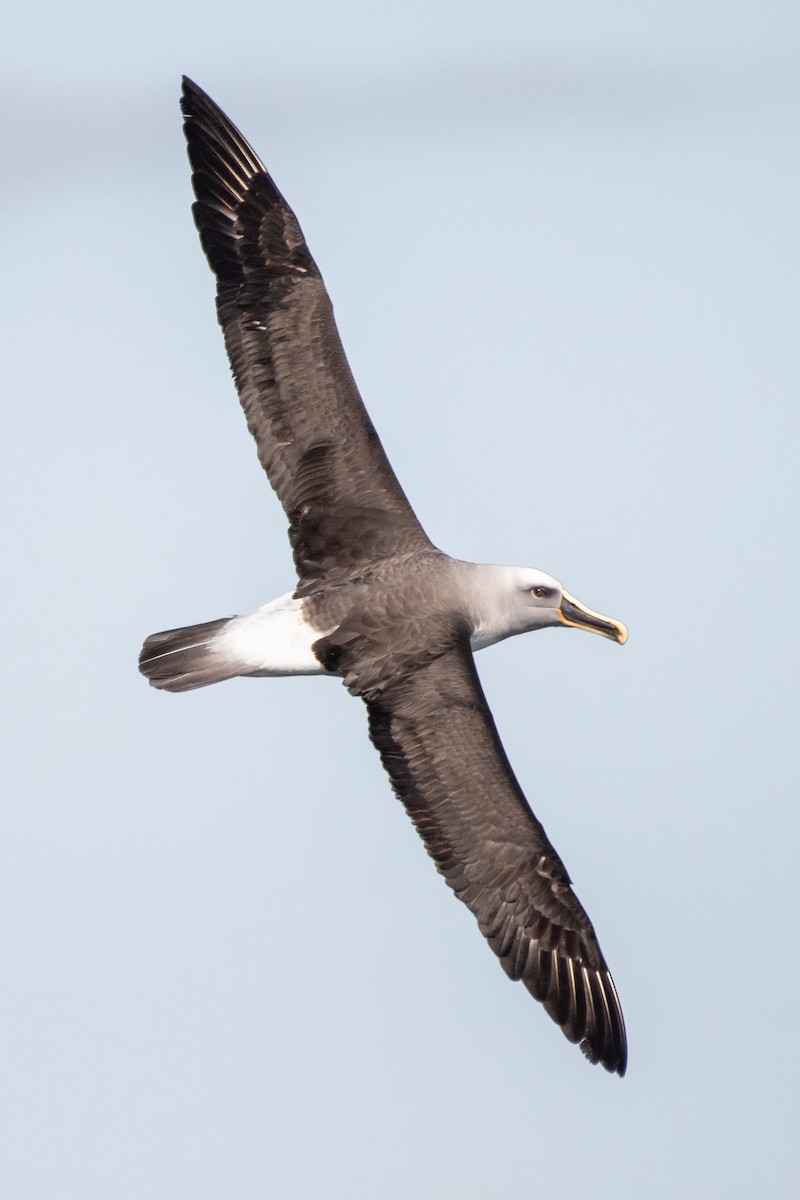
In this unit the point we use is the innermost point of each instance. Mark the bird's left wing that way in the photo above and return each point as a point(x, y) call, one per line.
point(440, 746)
point(314, 436)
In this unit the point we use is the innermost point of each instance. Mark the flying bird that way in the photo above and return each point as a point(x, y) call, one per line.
point(376, 602)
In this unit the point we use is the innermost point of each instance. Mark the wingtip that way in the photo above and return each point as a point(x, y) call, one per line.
point(189, 87)
point(196, 104)
point(193, 97)
point(615, 1063)
point(606, 1041)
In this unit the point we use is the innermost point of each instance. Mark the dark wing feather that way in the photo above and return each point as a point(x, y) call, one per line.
point(440, 746)
point(314, 437)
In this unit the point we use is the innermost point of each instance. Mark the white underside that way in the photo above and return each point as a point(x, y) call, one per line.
point(276, 639)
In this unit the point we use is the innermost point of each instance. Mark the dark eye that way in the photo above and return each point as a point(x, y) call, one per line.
point(540, 592)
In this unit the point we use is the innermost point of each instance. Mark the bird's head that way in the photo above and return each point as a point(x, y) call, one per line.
point(525, 598)
point(544, 601)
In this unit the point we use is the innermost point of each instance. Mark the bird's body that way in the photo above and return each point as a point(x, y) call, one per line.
point(400, 596)
point(376, 603)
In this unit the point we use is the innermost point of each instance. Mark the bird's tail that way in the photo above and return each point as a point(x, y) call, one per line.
point(193, 657)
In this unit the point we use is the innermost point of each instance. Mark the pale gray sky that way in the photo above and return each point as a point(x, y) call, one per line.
point(562, 245)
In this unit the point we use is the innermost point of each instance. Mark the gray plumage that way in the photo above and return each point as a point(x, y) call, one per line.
point(376, 602)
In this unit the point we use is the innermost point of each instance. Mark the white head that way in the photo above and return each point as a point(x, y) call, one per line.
point(518, 599)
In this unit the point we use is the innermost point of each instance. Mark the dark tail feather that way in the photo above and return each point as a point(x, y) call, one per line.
point(195, 656)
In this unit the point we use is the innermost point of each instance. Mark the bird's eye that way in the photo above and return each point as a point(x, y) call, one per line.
point(540, 592)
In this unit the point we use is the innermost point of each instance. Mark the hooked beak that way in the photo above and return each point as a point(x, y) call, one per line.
point(572, 612)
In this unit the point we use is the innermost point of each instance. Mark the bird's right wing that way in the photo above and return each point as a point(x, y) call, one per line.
point(440, 746)
point(314, 437)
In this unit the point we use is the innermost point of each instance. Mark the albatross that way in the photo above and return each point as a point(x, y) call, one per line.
point(376, 603)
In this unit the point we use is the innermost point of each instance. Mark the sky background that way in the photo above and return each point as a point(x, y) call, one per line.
point(561, 239)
